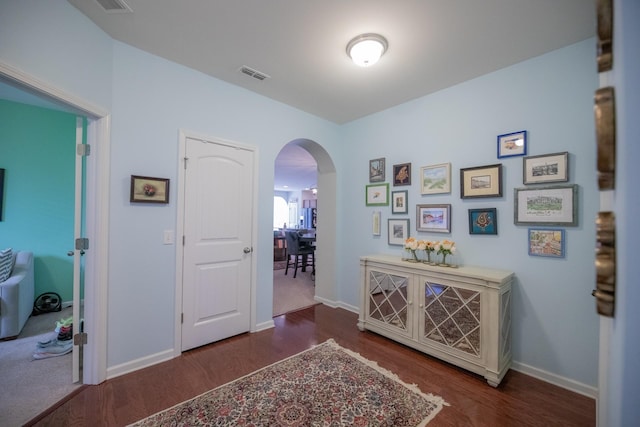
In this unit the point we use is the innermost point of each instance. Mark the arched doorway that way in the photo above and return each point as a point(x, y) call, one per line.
point(325, 187)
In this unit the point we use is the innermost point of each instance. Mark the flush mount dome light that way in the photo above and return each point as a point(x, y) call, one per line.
point(366, 49)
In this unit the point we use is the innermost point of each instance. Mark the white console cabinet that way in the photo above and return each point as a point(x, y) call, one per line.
point(461, 315)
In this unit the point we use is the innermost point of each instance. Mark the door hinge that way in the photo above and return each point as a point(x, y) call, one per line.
point(183, 239)
point(181, 318)
point(83, 150)
point(185, 162)
point(82, 243)
point(80, 338)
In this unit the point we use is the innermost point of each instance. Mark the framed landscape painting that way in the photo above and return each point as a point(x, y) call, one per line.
point(433, 218)
point(546, 242)
point(481, 181)
point(435, 179)
point(552, 205)
point(545, 168)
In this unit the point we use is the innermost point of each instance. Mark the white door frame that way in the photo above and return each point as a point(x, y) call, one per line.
point(97, 224)
point(182, 141)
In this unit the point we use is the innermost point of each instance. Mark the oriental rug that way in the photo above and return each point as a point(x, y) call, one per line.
point(326, 385)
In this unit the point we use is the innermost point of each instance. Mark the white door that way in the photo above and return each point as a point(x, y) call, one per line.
point(216, 278)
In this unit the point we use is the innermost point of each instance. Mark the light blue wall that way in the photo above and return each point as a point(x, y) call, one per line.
point(37, 150)
point(55, 43)
point(554, 321)
point(151, 99)
point(149, 108)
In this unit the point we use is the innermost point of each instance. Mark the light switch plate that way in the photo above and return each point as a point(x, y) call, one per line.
point(168, 237)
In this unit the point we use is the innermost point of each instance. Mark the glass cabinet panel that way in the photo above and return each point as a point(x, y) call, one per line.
point(388, 299)
point(452, 317)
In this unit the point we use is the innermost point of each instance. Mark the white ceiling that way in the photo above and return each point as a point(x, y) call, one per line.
point(433, 44)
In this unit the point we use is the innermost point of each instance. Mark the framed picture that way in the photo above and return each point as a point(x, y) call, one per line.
point(399, 202)
point(376, 170)
point(398, 231)
point(435, 179)
point(483, 221)
point(553, 205)
point(377, 194)
point(545, 168)
point(402, 174)
point(546, 242)
point(434, 218)
point(145, 189)
point(512, 144)
point(375, 223)
point(481, 181)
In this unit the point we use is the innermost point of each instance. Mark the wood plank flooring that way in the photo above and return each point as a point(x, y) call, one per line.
point(520, 400)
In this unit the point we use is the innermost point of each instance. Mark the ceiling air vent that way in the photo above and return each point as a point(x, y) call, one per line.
point(114, 6)
point(254, 73)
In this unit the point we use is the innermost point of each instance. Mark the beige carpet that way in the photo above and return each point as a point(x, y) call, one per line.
point(31, 386)
point(291, 294)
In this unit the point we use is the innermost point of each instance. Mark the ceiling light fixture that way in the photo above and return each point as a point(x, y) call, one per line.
point(366, 49)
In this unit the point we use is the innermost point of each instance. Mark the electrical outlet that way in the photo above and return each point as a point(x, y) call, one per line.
point(168, 237)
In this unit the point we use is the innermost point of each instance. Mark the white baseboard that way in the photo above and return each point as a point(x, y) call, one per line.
point(143, 362)
point(569, 384)
point(264, 325)
point(337, 304)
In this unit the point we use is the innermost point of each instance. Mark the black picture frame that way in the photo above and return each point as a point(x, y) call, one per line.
point(483, 221)
point(146, 189)
point(402, 174)
point(481, 181)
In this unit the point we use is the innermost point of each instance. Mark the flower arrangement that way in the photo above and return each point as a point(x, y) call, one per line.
point(411, 245)
point(445, 247)
point(429, 246)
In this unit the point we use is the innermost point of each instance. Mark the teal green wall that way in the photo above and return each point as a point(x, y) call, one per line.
point(37, 150)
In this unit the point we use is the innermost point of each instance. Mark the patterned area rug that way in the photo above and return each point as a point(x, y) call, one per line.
point(326, 385)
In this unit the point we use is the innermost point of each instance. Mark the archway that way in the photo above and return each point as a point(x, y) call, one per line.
point(326, 229)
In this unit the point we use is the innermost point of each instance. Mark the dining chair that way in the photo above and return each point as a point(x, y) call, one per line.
point(297, 252)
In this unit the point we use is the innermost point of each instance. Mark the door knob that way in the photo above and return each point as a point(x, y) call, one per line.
point(247, 250)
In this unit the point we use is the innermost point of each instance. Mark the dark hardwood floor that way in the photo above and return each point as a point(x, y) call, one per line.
point(520, 400)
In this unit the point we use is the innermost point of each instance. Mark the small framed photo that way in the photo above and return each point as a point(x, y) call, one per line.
point(512, 144)
point(399, 202)
point(377, 194)
point(483, 221)
point(376, 170)
point(375, 223)
point(435, 179)
point(545, 168)
point(546, 242)
point(433, 218)
point(398, 231)
point(552, 205)
point(145, 189)
point(402, 174)
point(481, 181)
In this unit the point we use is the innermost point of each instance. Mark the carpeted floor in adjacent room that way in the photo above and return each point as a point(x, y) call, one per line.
point(291, 294)
point(32, 386)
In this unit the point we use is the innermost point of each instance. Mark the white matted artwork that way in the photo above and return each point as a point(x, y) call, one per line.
point(398, 231)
